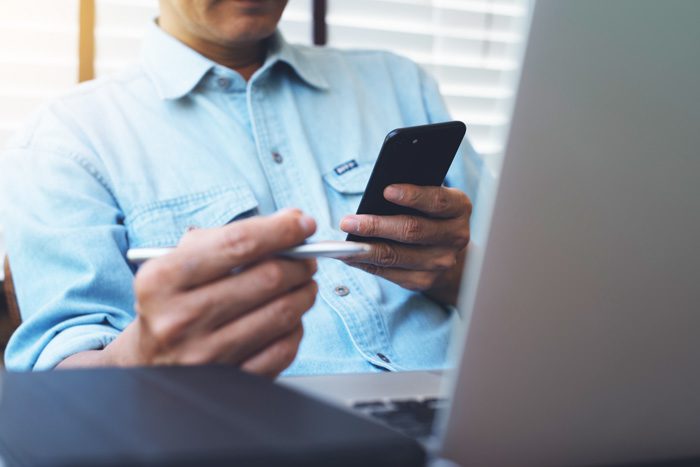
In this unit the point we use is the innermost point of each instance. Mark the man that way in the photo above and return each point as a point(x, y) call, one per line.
point(224, 140)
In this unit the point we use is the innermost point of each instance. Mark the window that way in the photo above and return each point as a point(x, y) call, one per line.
point(470, 47)
point(38, 56)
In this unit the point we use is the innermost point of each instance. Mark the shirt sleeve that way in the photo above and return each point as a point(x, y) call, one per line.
point(466, 169)
point(66, 244)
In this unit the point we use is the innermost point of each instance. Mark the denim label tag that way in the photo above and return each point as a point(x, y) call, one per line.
point(345, 167)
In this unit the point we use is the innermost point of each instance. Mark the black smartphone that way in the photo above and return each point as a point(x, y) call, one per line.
point(418, 155)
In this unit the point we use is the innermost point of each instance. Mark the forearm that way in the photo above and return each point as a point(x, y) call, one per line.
point(89, 358)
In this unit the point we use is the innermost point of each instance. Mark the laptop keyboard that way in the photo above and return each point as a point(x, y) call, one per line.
point(412, 417)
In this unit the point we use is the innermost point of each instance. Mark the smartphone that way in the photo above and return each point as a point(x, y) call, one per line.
point(326, 249)
point(418, 155)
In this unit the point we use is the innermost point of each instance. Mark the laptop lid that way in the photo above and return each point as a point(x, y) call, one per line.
point(182, 416)
point(583, 334)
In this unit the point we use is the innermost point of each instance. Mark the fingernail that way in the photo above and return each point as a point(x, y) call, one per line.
point(350, 225)
point(392, 192)
point(308, 224)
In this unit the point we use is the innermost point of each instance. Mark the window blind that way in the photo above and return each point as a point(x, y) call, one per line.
point(470, 47)
point(38, 57)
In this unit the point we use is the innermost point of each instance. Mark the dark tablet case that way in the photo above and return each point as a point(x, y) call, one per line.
point(182, 416)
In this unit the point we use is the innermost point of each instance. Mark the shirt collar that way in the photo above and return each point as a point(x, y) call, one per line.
point(176, 69)
point(279, 50)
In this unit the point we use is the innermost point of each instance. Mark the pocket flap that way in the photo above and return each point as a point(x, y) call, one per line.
point(162, 223)
point(351, 182)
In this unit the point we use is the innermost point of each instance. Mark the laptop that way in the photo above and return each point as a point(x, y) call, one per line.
point(580, 342)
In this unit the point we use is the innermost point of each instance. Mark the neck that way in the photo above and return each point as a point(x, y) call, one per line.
point(245, 57)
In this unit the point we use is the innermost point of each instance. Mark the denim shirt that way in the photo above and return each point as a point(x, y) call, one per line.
point(135, 159)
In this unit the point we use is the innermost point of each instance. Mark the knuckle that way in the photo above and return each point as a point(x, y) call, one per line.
point(205, 302)
point(414, 196)
point(191, 236)
point(237, 242)
point(273, 274)
point(411, 229)
point(370, 226)
point(287, 314)
point(387, 255)
point(440, 201)
point(462, 238)
point(289, 230)
point(445, 261)
point(164, 331)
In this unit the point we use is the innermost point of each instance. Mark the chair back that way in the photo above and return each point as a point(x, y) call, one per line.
point(10, 296)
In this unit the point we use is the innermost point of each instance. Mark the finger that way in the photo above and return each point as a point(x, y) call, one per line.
point(210, 306)
point(397, 255)
point(240, 339)
point(207, 254)
point(409, 229)
point(277, 357)
point(437, 201)
point(418, 281)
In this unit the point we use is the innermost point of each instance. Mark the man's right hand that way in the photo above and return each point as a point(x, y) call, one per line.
point(192, 310)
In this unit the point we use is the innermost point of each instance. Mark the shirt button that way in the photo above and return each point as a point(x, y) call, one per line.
point(223, 82)
point(277, 157)
point(341, 291)
point(383, 357)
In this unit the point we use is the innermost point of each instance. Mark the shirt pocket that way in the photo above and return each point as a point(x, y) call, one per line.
point(345, 190)
point(162, 223)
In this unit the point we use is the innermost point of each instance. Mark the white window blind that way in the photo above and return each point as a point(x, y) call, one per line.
point(38, 56)
point(470, 47)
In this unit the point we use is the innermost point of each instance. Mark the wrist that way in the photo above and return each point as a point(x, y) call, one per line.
point(119, 352)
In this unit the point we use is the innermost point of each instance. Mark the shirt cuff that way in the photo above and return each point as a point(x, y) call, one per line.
point(74, 340)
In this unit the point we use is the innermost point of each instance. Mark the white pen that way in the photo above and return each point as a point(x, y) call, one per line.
point(327, 249)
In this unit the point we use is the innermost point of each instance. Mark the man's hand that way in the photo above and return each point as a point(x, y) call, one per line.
point(191, 308)
point(421, 253)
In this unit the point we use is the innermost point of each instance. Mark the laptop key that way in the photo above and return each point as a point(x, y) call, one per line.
point(411, 417)
point(365, 405)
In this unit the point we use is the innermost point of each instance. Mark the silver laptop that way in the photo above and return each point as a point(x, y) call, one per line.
point(581, 304)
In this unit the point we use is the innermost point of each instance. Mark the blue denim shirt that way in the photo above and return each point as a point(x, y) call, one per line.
point(135, 159)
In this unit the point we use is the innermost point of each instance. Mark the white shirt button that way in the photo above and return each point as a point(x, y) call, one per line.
point(223, 83)
point(341, 291)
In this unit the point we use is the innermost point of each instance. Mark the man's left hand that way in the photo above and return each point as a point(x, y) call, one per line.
point(421, 253)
